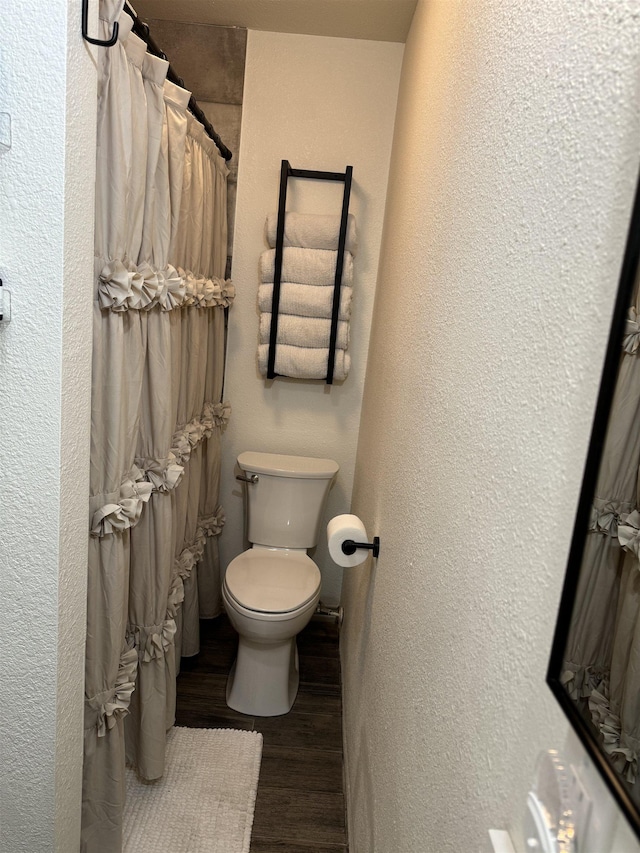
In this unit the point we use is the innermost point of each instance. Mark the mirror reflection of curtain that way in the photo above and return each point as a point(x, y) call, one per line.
point(601, 669)
point(156, 416)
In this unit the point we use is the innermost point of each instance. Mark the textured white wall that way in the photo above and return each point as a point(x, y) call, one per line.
point(321, 103)
point(47, 84)
point(514, 163)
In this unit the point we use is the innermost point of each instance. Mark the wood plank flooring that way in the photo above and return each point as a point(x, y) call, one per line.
point(300, 803)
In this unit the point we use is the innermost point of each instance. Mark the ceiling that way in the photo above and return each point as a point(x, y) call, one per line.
point(377, 20)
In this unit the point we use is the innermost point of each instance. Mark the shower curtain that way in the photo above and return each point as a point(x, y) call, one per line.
point(602, 658)
point(157, 416)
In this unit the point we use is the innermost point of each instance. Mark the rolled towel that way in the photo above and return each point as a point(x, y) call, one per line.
point(312, 231)
point(304, 363)
point(305, 300)
point(304, 331)
point(306, 266)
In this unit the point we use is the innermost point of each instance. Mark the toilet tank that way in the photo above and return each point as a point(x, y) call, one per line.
point(285, 505)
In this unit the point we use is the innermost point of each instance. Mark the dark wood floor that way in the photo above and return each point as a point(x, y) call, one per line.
point(300, 803)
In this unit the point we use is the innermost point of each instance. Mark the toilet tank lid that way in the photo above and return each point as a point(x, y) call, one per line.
point(301, 467)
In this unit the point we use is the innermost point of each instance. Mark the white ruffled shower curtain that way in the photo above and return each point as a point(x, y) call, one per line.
point(157, 416)
point(602, 659)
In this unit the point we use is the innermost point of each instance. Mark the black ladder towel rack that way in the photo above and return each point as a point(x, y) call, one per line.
point(286, 172)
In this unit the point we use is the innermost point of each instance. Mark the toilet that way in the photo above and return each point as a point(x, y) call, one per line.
point(271, 590)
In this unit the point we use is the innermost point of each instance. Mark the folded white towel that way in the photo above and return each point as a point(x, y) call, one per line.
point(304, 363)
point(312, 231)
point(306, 266)
point(304, 331)
point(305, 300)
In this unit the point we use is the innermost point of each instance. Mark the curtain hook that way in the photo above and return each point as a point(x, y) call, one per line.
point(85, 18)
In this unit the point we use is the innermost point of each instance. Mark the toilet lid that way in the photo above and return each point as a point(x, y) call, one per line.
point(272, 581)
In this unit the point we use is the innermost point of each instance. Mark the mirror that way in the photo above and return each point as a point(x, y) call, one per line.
point(594, 669)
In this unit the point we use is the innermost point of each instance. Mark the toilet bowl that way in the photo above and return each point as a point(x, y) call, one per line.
point(268, 611)
point(271, 591)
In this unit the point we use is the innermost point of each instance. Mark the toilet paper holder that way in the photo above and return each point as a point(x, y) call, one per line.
point(350, 547)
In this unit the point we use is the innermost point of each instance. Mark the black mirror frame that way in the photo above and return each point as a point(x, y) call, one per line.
point(589, 740)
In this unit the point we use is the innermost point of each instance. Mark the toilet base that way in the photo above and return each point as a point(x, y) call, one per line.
point(264, 678)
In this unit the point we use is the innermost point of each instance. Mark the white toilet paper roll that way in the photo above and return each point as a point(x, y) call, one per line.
point(341, 528)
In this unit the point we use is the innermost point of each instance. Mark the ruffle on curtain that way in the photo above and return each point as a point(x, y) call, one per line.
point(121, 289)
point(629, 533)
point(163, 474)
point(581, 681)
point(605, 516)
point(622, 748)
point(217, 414)
point(151, 642)
point(103, 710)
point(631, 340)
point(176, 596)
point(213, 524)
point(191, 555)
point(141, 288)
point(207, 292)
point(120, 514)
point(172, 289)
point(186, 439)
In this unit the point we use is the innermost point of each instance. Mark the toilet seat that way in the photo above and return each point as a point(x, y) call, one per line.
point(277, 582)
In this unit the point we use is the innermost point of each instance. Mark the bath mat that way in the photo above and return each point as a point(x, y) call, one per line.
point(205, 801)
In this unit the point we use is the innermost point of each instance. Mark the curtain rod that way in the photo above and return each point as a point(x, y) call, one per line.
point(142, 30)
